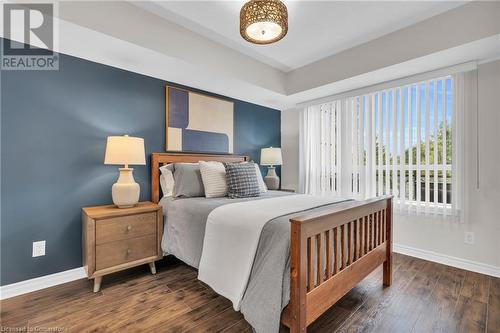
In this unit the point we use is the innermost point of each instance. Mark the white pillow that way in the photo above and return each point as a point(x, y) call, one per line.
point(262, 185)
point(213, 175)
point(167, 180)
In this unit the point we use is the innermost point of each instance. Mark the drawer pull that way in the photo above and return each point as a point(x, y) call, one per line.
point(127, 251)
point(125, 227)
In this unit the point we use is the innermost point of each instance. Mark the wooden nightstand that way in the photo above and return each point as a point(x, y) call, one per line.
point(118, 238)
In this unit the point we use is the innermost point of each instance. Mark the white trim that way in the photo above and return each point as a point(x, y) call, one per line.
point(488, 60)
point(412, 79)
point(41, 282)
point(444, 259)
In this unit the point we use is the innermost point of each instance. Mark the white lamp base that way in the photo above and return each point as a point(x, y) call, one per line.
point(125, 191)
point(271, 179)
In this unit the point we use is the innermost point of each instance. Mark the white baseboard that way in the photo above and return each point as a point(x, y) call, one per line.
point(41, 282)
point(448, 260)
point(47, 281)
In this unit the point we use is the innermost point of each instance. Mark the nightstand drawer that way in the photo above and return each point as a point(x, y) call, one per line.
point(115, 238)
point(126, 227)
point(116, 253)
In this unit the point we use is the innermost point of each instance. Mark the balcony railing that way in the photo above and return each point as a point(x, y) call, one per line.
point(410, 190)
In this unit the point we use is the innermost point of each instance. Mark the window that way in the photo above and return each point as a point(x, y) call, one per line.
point(398, 141)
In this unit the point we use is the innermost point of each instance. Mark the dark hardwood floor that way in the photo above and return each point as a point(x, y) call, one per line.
point(424, 297)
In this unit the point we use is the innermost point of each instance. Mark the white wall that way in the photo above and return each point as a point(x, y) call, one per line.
point(483, 203)
point(290, 149)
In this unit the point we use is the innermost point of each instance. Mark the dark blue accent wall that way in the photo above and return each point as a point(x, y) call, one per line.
point(53, 130)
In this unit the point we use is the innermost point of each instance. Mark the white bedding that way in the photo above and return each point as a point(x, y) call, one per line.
point(232, 235)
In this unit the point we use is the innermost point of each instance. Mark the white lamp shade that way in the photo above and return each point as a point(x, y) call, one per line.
point(125, 150)
point(271, 156)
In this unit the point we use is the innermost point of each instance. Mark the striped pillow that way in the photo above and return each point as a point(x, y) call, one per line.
point(242, 181)
point(213, 175)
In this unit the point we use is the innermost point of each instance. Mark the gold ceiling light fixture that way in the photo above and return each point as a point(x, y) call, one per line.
point(263, 21)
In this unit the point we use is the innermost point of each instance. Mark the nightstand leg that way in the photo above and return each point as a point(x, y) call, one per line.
point(152, 267)
point(97, 283)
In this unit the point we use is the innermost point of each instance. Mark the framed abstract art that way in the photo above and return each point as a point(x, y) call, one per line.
point(196, 122)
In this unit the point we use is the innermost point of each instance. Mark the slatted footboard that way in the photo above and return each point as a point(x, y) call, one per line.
point(332, 251)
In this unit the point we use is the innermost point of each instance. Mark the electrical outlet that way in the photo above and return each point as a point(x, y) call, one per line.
point(38, 249)
point(469, 237)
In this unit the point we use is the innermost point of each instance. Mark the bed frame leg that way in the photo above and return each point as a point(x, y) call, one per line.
point(387, 278)
point(388, 272)
point(299, 328)
point(298, 281)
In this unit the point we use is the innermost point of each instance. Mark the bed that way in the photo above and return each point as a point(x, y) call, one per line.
point(328, 248)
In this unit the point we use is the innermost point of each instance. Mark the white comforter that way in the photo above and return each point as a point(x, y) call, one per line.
point(232, 235)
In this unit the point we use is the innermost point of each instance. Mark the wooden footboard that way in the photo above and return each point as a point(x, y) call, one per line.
point(332, 251)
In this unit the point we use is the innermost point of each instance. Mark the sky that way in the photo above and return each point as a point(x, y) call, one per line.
point(387, 97)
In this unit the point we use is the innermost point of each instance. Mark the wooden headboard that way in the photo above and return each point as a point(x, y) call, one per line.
point(159, 159)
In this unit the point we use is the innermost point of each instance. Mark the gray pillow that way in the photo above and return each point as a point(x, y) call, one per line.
point(188, 182)
point(242, 181)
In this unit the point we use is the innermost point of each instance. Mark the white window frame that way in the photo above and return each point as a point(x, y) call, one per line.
point(353, 134)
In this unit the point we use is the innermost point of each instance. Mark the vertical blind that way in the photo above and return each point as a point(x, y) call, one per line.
point(403, 141)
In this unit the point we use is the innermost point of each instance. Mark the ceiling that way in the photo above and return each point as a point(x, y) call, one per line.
point(149, 38)
point(321, 28)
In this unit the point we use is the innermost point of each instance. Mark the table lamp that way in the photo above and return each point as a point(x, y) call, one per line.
point(271, 157)
point(125, 150)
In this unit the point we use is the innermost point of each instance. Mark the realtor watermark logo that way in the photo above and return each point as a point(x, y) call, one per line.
point(29, 37)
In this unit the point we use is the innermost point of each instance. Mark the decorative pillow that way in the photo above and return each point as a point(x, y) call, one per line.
point(167, 180)
point(213, 175)
point(188, 182)
point(242, 180)
point(262, 185)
